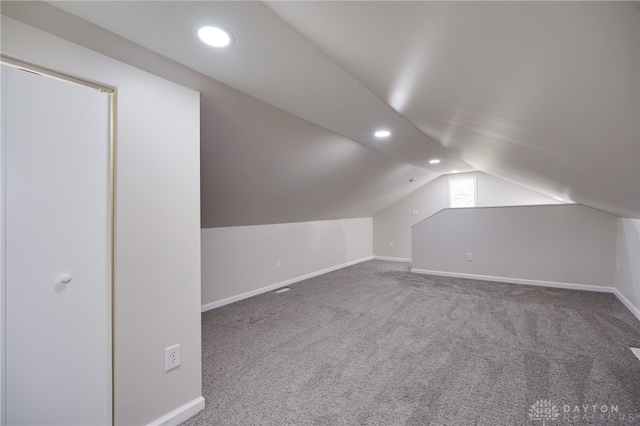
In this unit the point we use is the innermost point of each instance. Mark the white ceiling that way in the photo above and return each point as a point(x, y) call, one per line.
point(542, 94)
point(545, 94)
point(270, 61)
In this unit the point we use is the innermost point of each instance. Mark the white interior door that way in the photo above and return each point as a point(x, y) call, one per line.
point(57, 228)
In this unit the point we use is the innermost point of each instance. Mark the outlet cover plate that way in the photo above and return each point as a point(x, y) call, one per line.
point(172, 357)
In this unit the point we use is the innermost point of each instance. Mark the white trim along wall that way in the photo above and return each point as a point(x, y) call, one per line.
point(561, 246)
point(583, 287)
point(243, 261)
point(539, 283)
point(570, 243)
point(275, 286)
point(225, 250)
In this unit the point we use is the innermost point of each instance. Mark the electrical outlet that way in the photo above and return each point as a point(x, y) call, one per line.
point(277, 263)
point(469, 256)
point(390, 244)
point(172, 357)
point(414, 212)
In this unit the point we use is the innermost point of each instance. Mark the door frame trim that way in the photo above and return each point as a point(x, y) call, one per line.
point(14, 62)
point(111, 91)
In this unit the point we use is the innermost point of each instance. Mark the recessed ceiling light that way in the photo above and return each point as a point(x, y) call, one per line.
point(455, 171)
point(382, 134)
point(214, 36)
point(434, 161)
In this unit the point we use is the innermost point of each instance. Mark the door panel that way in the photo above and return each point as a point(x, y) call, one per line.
point(58, 336)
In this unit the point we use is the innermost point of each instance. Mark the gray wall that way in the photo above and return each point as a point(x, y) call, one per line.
point(242, 259)
point(157, 232)
point(394, 223)
point(628, 261)
point(569, 244)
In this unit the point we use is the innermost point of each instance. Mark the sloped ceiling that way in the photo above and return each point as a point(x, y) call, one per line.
point(542, 94)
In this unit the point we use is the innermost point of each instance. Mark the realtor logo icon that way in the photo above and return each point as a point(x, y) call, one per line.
point(544, 410)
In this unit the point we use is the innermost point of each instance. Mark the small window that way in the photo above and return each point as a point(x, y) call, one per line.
point(462, 192)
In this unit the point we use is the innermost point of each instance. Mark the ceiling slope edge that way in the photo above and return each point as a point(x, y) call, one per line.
point(274, 63)
point(386, 183)
point(66, 25)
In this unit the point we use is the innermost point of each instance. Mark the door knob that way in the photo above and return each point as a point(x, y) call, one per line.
point(64, 279)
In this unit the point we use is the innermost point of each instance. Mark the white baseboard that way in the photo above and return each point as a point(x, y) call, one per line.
point(602, 289)
point(634, 310)
point(228, 300)
point(553, 284)
point(393, 259)
point(180, 414)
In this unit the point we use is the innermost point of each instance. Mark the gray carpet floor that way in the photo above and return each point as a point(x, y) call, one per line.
point(374, 344)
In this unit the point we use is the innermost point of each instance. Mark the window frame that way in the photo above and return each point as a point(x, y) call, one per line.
point(475, 191)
